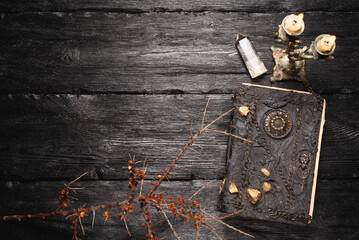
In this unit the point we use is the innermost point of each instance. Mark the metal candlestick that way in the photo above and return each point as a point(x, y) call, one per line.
point(290, 62)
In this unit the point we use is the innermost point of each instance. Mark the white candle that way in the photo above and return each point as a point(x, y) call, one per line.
point(294, 22)
point(326, 43)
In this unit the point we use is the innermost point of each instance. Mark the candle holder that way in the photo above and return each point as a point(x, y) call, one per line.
point(290, 62)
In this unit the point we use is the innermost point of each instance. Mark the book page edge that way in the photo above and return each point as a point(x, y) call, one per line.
point(275, 88)
point(312, 199)
point(311, 209)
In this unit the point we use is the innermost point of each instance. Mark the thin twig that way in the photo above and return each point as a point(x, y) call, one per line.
point(227, 216)
point(93, 219)
point(107, 216)
point(104, 222)
point(190, 129)
point(144, 167)
point(82, 227)
point(215, 120)
point(73, 189)
point(212, 229)
point(195, 144)
point(128, 231)
point(73, 198)
point(211, 139)
point(229, 134)
point(147, 222)
point(75, 232)
point(169, 223)
point(227, 225)
point(197, 235)
point(66, 213)
point(195, 151)
point(173, 164)
point(194, 194)
point(218, 227)
point(77, 179)
point(204, 112)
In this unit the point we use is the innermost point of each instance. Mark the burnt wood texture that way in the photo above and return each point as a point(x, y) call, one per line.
point(85, 83)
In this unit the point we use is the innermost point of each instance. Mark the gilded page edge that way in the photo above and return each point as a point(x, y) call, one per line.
point(311, 208)
point(276, 88)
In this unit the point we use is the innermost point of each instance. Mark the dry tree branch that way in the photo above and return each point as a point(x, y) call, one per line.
point(65, 213)
point(211, 139)
point(128, 231)
point(194, 194)
point(144, 167)
point(215, 120)
point(186, 209)
point(145, 217)
point(227, 216)
point(212, 230)
point(189, 143)
point(225, 224)
point(190, 129)
point(169, 223)
point(197, 235)
point(195, 144)
point(204, 112)
point(82, 227)
point(93, 219)
point(195, 151)
point(229, 134)
point(77, 179)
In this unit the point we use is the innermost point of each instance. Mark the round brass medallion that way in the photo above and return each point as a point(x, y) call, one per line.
point(278, 123)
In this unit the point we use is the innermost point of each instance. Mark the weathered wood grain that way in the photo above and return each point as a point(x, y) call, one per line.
point(116, 51)
point(60, 136)
point(334, 217)
point(138, 6)
point(158, 52)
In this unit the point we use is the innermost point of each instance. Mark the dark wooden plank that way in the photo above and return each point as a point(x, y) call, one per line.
point(340, 137)
point(159, 52)
point(334, 212)
point(97, 132)
point(59, 136)
point(172, 5)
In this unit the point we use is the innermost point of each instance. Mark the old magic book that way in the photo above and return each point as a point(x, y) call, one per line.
point(275, 176)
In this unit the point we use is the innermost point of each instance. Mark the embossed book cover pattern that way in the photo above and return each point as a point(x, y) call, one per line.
point(272, 178)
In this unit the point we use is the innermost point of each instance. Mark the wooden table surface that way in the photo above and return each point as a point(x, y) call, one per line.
point(85, 83)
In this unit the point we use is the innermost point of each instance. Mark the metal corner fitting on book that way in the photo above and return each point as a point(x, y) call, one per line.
point(250, 56)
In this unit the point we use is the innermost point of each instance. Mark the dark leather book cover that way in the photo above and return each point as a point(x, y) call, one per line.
point(274, 178)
